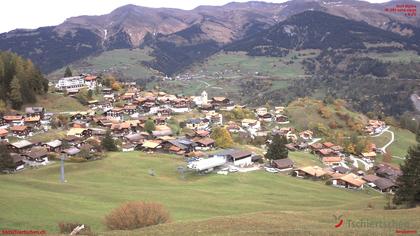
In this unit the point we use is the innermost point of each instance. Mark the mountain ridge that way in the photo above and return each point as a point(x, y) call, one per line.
point(128, 26)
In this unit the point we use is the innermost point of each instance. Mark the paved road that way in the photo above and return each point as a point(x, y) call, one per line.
point(356, 164)
point(390, 142)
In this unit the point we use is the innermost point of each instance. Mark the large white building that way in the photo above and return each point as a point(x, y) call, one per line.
point(70, 83)
point(201, 100)
point(75, 83)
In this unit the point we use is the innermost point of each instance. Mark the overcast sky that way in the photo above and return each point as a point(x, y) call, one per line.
point(36, 13)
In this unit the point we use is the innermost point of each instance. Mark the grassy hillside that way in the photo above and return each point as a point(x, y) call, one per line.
point(315, 223)
point(325, 119)
point(125, 62)
point(34, 199)
point(239, 76)
point(54, 102)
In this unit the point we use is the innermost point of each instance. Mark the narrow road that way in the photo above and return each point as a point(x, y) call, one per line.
point(389, 143)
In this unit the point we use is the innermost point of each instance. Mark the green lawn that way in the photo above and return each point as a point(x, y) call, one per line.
point(125, 62)
point(34, 199)
point(302, 159)
point(54, 102)
point(403, 140)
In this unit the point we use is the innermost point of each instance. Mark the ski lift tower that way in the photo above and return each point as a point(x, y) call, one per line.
point(62, 179)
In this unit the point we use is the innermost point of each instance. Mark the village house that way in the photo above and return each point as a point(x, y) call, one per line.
point(32, 121)
point(3, 134)
point(128, 96)
point(13, 120)
point(341, 169)
point(251, 123)
point(71, 139)
point(204, 143)
point(180, 105)
point(220, 101)
point(267, 117)
point(107, 91)
point(116, 112)
point(128, 147)
point(387, 171)
point(81, 115)
point(261, 111)
point(237, 157)
point(178, 146)
point(90, 81)
point(20, 146)
point(36, 156)
point(54, 146)
point(161, 130)
point(70, 152)
point(283, 164)
point(120, 128)
point(35, 111)
point(93, 104)
point(197, 123)
point(151, 145)
point(306, 135)
point(350, 181)
point(368, 155)
point(380, 184)
point(164, 112)
point(134, 138)
point(315, 172)
point(232, 127)
point(331, 161)
point(20, 130)
point(282, 119)
point(214, 118)
point(160, 120)
point(375, 127)
point(108, 99)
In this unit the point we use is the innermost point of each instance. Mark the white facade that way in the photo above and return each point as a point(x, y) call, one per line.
point(201, 100)
point(73, 83)
point(243, 162)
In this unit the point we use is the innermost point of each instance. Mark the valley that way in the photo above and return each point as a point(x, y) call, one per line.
point(248, 118)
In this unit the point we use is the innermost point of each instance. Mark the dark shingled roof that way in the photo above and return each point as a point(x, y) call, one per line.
point(383, 183)
point(283, 163)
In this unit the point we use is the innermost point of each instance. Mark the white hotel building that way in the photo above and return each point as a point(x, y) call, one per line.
point(75, 83)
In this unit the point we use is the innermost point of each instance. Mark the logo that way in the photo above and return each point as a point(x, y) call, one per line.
point(338, 220)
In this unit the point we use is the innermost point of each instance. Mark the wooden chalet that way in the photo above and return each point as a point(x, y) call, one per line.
point(20, 130)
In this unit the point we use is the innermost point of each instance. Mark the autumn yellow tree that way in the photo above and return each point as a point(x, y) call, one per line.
point(222, 137)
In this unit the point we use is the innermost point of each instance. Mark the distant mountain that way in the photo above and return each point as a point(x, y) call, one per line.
point(129, 27)
point(317, 30)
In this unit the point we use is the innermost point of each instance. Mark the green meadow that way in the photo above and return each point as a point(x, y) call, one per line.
point(35, 199)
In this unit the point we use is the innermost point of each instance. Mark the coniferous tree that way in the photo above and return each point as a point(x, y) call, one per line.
point(108, 142)
point(68, 72)
point(408, 192)
point(6, 161)
point(27, 80)
point(149, 126)
point(15, 93)
point(277, 148)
